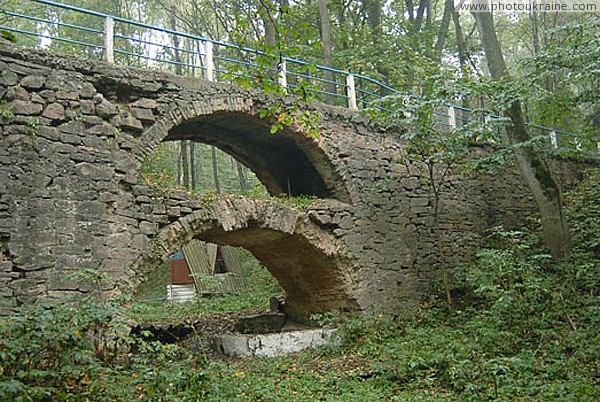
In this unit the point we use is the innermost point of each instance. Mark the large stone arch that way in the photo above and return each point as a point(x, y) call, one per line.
point(289, 162)
point(312, 265)
point(314, 268)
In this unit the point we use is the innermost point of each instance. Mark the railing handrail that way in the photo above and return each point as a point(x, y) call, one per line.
point(348, 85)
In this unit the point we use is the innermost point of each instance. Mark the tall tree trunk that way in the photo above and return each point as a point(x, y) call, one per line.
point(242, 177)
point(185, 168)
point(373, 9)
point(535, 33)
point(269, 23)
point(460, 40)
point(178, 68)
point(178, 151)
point(215, 166)
point(327, 45)
point(193, 165)
point(443, 31)
point(423, 6)
point(534, 169)
point(373, 14)
point(410, 9)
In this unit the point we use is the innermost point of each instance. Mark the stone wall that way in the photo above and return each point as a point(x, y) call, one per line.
point(73, 134)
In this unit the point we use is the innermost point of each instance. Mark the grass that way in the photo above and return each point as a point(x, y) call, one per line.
point(262, 287)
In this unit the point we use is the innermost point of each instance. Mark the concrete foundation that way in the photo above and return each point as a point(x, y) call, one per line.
point(276, 344)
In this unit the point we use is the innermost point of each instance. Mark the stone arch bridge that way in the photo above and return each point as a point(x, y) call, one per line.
point(73, 134)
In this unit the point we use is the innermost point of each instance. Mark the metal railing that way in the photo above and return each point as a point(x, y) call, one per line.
point(45, 23)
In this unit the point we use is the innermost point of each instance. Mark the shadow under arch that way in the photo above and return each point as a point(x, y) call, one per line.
point(288, 162)
point(313, 267)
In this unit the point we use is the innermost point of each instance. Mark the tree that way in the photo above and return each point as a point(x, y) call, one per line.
point(215, 166)
point(185, 167)
point(327, 46)
point(533, 167)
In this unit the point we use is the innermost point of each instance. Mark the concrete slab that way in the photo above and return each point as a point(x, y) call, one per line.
point(275, 344)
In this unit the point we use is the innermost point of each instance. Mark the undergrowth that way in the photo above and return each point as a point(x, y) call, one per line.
point(523, 328)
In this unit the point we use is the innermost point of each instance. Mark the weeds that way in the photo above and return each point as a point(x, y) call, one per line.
point(7, 114)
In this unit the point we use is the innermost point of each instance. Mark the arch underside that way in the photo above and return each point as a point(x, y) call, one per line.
point(310, 279)
point(287, 163)
point(310, 264)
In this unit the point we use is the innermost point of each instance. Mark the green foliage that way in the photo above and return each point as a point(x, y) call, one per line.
point(584, 216)
point(565, 82)
point(7, 114)
point(82, 350)
point(427, 135)
point(302, 202)
point(290, 107)
point(9, 36)
point(524, 328)
point(161, 169)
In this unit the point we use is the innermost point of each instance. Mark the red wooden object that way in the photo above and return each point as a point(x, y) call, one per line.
point(180, 272)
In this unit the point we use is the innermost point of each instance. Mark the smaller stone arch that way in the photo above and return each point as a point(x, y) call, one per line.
point(314, 268)
point(289, 162)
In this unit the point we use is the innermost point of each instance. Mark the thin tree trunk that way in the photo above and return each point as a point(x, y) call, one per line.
point(269, 24)
point(535, 33)
point(462, 56)
point(193, 164)
point(178, 150)
point(185, 164)
point(533, 168)
point(215, 166)
point(242, 177)
point(178, 68)
point(460, 40)
point(373, 9)
point(327, 45)
point(410, 9)
point(423, 6)
point(443, 31)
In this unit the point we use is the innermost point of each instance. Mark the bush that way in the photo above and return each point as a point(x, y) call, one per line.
point(82, 350)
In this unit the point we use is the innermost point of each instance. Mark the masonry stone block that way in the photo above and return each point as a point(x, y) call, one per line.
point(33, 82)
point(130, 122)
point(54, 111)
point(8, 78)
point(87, 90)
point(25, 107)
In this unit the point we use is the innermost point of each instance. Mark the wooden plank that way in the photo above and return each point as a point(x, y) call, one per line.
point(201, 258)
point(232, 259)
point(195, 254)
point(211, 251)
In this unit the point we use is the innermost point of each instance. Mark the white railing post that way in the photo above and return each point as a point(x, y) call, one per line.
point(351, 92)
point(554, 139)
point(109, 39)
point(282, 73)
point(451, 116)
point(208, 61)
